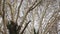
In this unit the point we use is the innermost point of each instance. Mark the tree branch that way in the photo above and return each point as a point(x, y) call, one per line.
point(19, 10)
point(51, 23)
point(25, 27)
point(29, 9)
point(12, 10)
point(4, 17)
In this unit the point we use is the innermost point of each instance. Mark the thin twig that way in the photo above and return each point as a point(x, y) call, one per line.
point(36, 4)
point(28, 12)
point(43, 14)
point(12, 10)
point(25, 27)
point(50, 24)
point(19, 10)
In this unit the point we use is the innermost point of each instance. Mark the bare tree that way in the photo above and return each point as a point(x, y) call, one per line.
point(10, 8)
